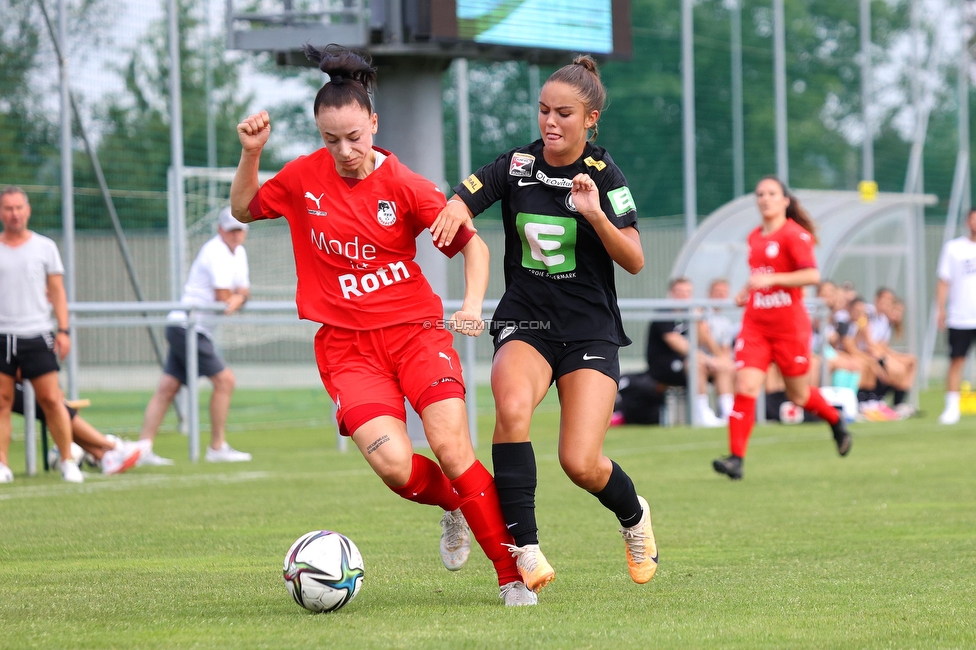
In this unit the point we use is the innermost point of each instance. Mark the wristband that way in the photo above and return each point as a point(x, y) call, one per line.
point(65, 331)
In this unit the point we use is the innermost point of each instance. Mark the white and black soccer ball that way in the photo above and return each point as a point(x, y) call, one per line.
point(323, 571)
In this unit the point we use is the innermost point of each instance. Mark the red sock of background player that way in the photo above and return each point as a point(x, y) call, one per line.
point(741, 419)
point(429, 485)
point(479, 503)
point(817, 404)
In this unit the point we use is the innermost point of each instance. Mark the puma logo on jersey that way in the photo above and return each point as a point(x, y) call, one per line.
point(444, 356)
point(317, 199)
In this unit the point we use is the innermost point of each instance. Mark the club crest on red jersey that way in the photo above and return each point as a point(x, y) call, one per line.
point(521, 165)
point(386, 212)
point(772, 249)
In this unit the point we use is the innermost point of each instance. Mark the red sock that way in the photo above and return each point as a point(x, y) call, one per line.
point(428, 485)
point(817, 404)
point(741, 419)
point(479, 503)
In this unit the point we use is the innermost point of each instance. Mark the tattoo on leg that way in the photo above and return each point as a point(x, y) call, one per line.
point(373, 446)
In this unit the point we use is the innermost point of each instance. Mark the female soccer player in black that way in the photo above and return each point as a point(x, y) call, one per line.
point(568, 217)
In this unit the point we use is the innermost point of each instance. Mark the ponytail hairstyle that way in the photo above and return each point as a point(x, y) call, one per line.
point(351, 77)
point(794, 210)
point(583, 75)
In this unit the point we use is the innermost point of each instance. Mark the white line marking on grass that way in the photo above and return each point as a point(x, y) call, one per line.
point(93, 484)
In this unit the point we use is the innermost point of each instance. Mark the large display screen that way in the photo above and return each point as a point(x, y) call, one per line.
point(569, 25)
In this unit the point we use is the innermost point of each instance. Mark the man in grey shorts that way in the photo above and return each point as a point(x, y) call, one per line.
point(219, 274)
point(31, 282)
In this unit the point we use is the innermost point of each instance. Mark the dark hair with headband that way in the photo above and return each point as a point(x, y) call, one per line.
point(794, 210)
point(583, 75)
point(351, 76)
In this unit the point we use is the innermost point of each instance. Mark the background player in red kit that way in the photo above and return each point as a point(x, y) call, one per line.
point(354, 212)
point(776, 326)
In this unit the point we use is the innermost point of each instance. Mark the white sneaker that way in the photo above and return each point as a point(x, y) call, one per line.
point(949, 416)
point(6, 476)
point(70, 472)
point(516, 594)
point(149, 457)
point(226, 454)
point(124, 457)
point(455, 540)
point(707, 418)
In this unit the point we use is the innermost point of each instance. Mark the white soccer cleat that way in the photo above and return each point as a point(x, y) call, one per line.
point(516, 594)
point(226, 454)
point(6, 475)
point(124, 457)
point(148, 457)
point(70, 472)
point(949, 416)
point(642, 552)
point(455, 540)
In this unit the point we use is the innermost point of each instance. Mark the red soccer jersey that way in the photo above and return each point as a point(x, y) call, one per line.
point(779, 310)
point(355, 246)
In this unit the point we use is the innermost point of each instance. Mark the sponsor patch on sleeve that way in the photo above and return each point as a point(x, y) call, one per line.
point(472, 183)
point(622, 200)
point(598, 164)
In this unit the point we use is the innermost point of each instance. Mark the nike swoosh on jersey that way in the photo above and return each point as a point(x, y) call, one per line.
point(523, 183)
point(587, 357)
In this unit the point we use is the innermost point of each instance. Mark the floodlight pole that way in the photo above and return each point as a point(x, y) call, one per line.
point(738, 123)
point(688, 116)
point(867, 146)
point(779, 83)
point(67, 194)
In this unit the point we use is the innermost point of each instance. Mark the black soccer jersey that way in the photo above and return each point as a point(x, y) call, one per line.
point(558, 274)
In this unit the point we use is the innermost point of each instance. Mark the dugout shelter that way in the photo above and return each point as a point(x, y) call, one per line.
point(872, 243)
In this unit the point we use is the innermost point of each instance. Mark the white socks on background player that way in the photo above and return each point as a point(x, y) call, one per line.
point(951, 413)
point(706, 416)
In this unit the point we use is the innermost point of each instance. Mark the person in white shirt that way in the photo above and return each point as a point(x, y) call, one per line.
point(218, 274)
point(31, 283)
point(957, 283)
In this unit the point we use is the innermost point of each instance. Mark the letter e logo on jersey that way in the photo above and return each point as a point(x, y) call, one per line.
point(621, 200)
point(386, 212)
point(548, 243)
point(772, 249)
point(521, 165)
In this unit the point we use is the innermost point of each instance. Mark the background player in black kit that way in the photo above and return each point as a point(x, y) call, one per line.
point(568, 216)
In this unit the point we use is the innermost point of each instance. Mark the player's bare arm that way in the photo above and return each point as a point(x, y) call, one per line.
point(253, 132)
point(623, 244)
point(59, 301)
point(467, 320)
point(454, 215)
point(800, 278)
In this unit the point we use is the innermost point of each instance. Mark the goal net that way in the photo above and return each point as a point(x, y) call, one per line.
point(206, 192)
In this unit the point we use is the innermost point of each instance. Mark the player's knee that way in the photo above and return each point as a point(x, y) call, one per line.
point(513, 413)
point(224, 380)
point(454, 458)
point(583, 472)
point(394, 470)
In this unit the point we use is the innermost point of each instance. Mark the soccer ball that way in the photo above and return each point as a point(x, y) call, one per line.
point(323, 571)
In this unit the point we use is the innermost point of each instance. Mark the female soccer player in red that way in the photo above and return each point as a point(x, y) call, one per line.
point(354, 212)
point(776, 326)
point(568, 216)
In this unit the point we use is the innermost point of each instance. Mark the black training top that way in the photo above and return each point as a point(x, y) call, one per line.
point(558, 274)
point(659, 353)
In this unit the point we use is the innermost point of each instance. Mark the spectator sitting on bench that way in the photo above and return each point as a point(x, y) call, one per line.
point(111, 454)
point(667, 352)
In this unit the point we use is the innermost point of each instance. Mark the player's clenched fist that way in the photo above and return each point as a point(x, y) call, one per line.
point(254, 130)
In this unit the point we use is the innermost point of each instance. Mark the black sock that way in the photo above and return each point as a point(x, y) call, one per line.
point(620, 497)
point(516, 480)
point(899, 397)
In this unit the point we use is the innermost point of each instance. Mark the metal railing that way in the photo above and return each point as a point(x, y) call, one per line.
point(143, 314)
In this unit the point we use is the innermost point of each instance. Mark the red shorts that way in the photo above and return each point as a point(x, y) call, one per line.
point(790, 351)
point(369, 372)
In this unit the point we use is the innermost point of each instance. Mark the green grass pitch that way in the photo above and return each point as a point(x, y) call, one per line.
point(876, 550)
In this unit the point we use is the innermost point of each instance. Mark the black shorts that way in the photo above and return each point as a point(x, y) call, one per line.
point(34, 355)
point(209, 362)
point(39, 412)
point(564, 358)
point(670, 372)
point(959, 342)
